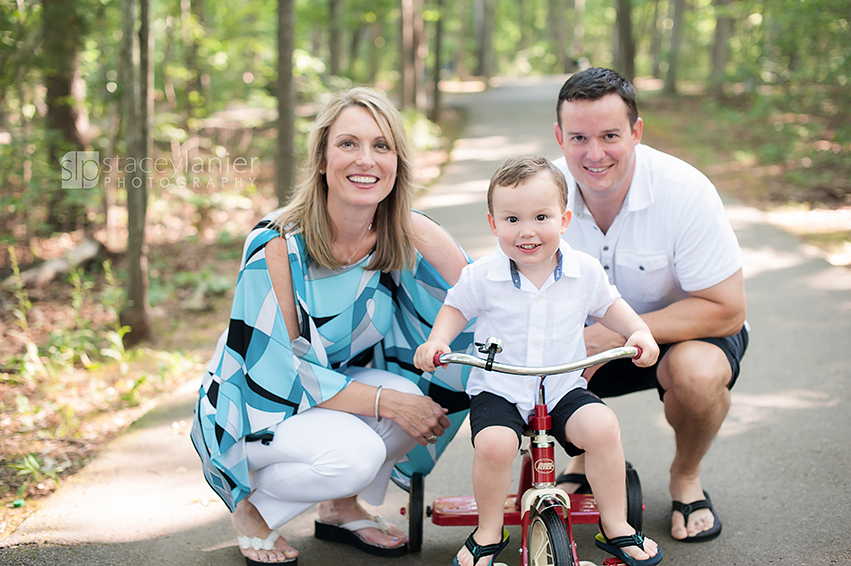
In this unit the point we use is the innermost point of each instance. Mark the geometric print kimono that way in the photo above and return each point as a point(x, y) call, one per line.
point(348, 317)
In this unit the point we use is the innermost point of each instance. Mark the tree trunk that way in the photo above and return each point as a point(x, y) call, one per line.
point(286, 101)
point(335, 39)
point(656, 32)
point(354, 47)
point(460, 51)
point(579, 29)
point(198, 90)
point(136, 312)
point(434, 112)
point(408, 54)
point(570, 30)
point(626, 45)
point(63, 31)
point(721, 48)
point(676, 40)
point(374, 36)
point(420, 55)
point(560, 34)
point(485, 11)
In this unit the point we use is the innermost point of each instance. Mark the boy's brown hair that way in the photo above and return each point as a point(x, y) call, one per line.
point(517, 170)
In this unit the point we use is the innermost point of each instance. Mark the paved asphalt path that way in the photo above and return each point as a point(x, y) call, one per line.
point(778, 473)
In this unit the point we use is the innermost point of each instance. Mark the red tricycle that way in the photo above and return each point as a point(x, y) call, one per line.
point(545, 512)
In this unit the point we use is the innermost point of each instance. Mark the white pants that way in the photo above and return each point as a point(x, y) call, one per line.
point(322, 454)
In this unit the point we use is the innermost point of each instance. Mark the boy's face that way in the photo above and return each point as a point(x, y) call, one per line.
point(528, 221)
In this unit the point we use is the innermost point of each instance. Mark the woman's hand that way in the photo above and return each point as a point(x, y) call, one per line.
point(419, 416)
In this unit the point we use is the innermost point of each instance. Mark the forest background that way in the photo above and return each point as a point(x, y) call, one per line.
point(141, 139)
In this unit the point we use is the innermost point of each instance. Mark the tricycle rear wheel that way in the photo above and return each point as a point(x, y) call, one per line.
point(634, 499)
point(416, 497)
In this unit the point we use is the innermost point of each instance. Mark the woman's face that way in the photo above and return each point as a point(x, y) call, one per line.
point(360, 166)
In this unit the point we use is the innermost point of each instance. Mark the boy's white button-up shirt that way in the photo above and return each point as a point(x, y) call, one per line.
point(538, 327)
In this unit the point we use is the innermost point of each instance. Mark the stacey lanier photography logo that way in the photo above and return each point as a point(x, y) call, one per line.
point(80, 169)
point(84, 169)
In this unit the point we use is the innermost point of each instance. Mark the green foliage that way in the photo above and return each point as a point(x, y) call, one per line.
point(31, 467)
point(24, 306)
point(113, 299)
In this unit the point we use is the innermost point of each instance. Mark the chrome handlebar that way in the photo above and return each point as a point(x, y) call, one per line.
point(442, 359)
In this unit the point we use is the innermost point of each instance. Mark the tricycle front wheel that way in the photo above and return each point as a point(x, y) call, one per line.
point(548, 542)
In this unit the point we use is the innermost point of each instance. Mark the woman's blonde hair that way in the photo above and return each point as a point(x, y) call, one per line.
point(307, 210)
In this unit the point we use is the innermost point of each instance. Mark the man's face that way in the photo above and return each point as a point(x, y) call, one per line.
point(599, 145)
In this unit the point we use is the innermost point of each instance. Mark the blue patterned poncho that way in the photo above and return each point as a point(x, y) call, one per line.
point(348, 317)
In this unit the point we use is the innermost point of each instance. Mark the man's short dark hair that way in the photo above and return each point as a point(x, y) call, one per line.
point(594, 84)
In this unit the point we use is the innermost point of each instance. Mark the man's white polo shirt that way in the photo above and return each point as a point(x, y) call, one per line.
point(538, 327)
point(670, 238)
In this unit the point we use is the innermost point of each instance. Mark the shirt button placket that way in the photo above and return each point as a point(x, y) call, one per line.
point(607, 259)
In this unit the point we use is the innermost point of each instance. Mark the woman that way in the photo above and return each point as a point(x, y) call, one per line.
point(345, 276)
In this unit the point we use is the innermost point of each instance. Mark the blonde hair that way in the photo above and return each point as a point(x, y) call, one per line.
point(307, 209)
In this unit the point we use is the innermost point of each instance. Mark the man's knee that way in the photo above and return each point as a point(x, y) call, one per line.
point(694, 368)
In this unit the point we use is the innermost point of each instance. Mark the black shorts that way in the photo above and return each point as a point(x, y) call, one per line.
point(487, 409)
point(622, 376)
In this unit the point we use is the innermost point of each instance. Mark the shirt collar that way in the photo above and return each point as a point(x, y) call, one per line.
point(640, 194)
point(504, 268)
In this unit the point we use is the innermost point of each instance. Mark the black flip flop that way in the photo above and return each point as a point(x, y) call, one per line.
point(688, 508)
point(347, 534)
point(288, 562)
point(584, 486)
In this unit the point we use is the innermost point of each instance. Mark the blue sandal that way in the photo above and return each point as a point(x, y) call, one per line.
point(614, 546)
point(479, 551)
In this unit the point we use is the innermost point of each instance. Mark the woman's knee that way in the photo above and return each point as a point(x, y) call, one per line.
point(358, 459)
point(389, 380)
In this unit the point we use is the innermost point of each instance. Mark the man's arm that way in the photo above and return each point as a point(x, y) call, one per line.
point(714, 312)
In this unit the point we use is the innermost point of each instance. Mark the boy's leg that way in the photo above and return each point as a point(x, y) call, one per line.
point(496, 427)
point(496, 447)
point(594, 428)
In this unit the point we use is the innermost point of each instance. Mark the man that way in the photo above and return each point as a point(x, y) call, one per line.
point(659, 228)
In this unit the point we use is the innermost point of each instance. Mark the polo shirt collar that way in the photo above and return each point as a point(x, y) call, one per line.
point(504, 269)
point(640, 194)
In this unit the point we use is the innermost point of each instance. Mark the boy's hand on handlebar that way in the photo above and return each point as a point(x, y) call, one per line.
point(424, 356)
point(649, 349)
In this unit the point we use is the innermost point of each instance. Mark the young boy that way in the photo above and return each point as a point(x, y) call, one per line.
point(535, 293)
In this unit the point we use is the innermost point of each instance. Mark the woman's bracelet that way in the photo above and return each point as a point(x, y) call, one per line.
point(377, 397)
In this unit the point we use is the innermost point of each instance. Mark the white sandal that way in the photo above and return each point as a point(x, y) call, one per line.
point(267, 543)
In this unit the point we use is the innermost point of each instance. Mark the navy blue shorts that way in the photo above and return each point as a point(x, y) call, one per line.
point(487, 409)
point(620, 377)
